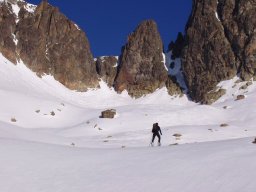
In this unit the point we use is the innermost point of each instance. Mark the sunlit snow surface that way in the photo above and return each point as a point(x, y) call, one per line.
point(75, 150)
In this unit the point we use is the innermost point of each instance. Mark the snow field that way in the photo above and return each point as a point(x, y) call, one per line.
point(226, 166)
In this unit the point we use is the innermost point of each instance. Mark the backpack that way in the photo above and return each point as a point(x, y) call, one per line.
point(154, 129)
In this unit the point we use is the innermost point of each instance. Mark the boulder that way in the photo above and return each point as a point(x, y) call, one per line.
point(240, 97)
point(224, 125)
point(110, 114)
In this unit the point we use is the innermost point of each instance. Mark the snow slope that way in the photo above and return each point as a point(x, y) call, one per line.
point(227, 166)
point(53, 139)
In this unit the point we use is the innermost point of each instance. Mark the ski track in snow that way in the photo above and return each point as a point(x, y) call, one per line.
point(75, 150)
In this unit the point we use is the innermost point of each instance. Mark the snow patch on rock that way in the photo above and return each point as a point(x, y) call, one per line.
point(15, 40)
point(16, 7)
point(77, 27)
point(174, 69)
point(216, 12)
point(164, 61)
point(16, 10)
point(30, 7)
point(117, 63)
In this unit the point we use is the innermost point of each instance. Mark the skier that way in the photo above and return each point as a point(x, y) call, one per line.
point(155, 130)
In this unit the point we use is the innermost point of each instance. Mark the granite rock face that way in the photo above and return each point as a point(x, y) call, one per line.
point(107, 69)
point(177, 46)
point(238, 18)
point(7, 30)
point(48, 43)
point(220, 42)
point(207, 57)
point(173, 86)
point(142, 69)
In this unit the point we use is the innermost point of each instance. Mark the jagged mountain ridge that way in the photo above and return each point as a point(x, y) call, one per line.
point(218, 44)
point(48, 43)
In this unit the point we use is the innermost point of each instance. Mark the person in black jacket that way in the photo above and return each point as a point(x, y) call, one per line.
point(156, 130)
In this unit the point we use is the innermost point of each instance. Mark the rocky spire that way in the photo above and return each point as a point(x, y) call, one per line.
point(142, 69)
point(208, 57)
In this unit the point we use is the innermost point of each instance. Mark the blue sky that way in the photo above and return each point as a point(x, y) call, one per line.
point(107, 23)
